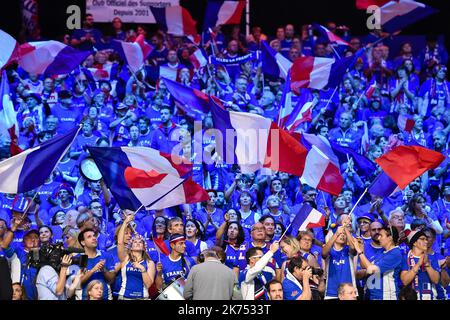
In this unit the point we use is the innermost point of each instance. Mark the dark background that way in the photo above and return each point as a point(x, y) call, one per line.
point(267, 14)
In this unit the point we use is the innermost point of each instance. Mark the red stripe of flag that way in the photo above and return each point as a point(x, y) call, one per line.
point(237, 15)
point(300, 73)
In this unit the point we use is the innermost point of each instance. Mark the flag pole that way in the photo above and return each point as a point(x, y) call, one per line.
point(335, 52)
point(247, 18)
point(357, 202)
point(331, 97)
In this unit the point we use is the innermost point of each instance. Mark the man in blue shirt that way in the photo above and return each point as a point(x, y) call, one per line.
point(99, 267)
point(345, 135)
point(87, 38)
point(176, 264)
point(164, 137)
point(296, 283)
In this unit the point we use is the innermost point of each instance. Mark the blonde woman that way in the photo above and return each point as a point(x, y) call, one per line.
point(95, 290)
point(137, 269)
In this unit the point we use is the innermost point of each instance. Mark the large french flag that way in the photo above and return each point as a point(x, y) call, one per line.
point(322, 170)
point(175, 20)
point(318, 73)
point(405, 163)
point(220, 12)
point(133, 53)
point(50, 57)
point(307, 218)
point(274, 63)
point(29, 169)
point(143, 176)
point(396, 15)
point(9, 50)
point(192, 101)
point(255, 142)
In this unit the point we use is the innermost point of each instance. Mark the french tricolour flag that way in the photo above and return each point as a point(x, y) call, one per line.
point(274, 63)
point(318, 73)
point(308, 218)
point(330, 36)
point(220, 12)
point(321, 166)
point(255, 142)
point(198, 59)
point(133, 53)
point(29, 169)
point(192, 101)
point(405, 122)
point(107, 72)
point(143, 176)
point(396, 15)
point(175, 20)
point(50, 57)
point(9, 49)
point(371, 90)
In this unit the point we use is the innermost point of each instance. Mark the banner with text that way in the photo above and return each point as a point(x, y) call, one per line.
point(129, 11)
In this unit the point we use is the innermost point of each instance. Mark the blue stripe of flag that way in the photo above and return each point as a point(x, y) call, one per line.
point(160, 17)
point(212, 14)
point(222, 122)
point(112, 163)
point(382, 186)
point(40, 163)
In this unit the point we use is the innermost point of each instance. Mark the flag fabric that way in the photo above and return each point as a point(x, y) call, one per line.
point(255, 142)
point(364, 4)
point(107, 72)
point(175, 20)
point(364, 167)
point(274, 63)
point(329, 36)
point(383, 186)
point(322, 170)
point(405, 163)
point(50, 57)
point(9, 49)
point(140, 176)
point(8, 116)
point(167, 72)
point(302, 113)
point(405, 122)
point(198, 59)
point(220, 12)
point(307, 218)
point(29, 169)
point(192, 101)
point(286, 106)
point(318, 73)
point(133, 53)
point(396, 15)
point(371, 90)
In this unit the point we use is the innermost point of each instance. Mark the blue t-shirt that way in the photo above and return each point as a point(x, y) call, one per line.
point(384, 285)
point(339, 269)
point(426, 290)
point(174, 268)
point(291, 290)
point(98, 275)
